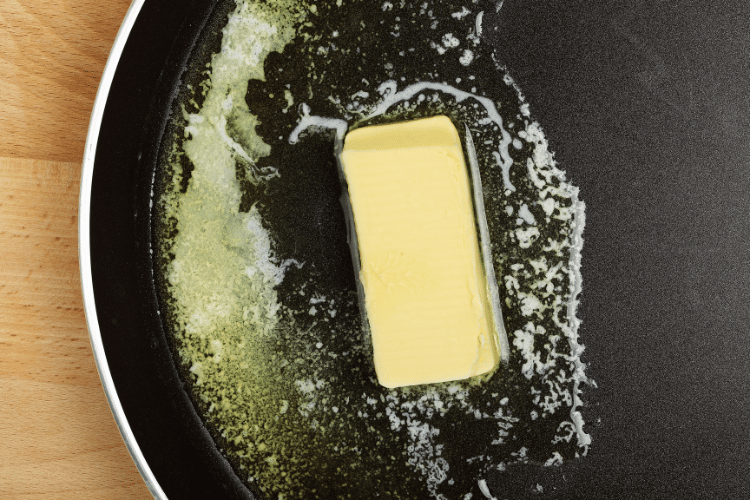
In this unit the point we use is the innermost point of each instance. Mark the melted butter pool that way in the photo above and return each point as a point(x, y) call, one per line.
point(257, 277)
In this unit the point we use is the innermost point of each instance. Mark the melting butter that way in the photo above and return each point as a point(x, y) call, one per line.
point(427, 298)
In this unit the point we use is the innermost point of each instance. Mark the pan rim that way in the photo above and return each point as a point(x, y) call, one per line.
point(84, 252)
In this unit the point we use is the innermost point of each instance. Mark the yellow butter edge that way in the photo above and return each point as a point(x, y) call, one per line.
point(392, 136)
point(485, 248)
point(351, 237)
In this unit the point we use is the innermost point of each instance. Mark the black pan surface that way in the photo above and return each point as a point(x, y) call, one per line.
point(647, 107)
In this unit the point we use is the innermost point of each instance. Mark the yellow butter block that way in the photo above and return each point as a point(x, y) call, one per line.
point(426, 293)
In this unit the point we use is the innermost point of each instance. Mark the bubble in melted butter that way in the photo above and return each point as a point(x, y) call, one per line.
point(257, 280)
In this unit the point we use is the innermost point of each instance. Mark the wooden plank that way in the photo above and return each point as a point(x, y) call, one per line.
point(52, 55)
point(61, 442)
point(59, 437)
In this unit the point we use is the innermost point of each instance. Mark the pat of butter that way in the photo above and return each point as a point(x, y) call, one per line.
point(427, 298)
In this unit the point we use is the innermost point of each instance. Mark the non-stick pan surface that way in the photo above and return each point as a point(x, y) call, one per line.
point(647, 107)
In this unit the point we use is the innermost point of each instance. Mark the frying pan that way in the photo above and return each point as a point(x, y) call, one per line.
point(647, 106)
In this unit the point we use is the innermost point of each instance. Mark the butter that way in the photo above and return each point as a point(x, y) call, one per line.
point(428, 301)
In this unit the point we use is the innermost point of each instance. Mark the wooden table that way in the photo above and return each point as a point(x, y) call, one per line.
point(59, 439)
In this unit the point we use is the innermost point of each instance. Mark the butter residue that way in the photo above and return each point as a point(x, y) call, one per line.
point(212, 274)
point(271, 389)
point(222, 272)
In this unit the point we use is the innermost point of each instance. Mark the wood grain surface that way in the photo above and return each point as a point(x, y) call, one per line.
point(59, 437)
